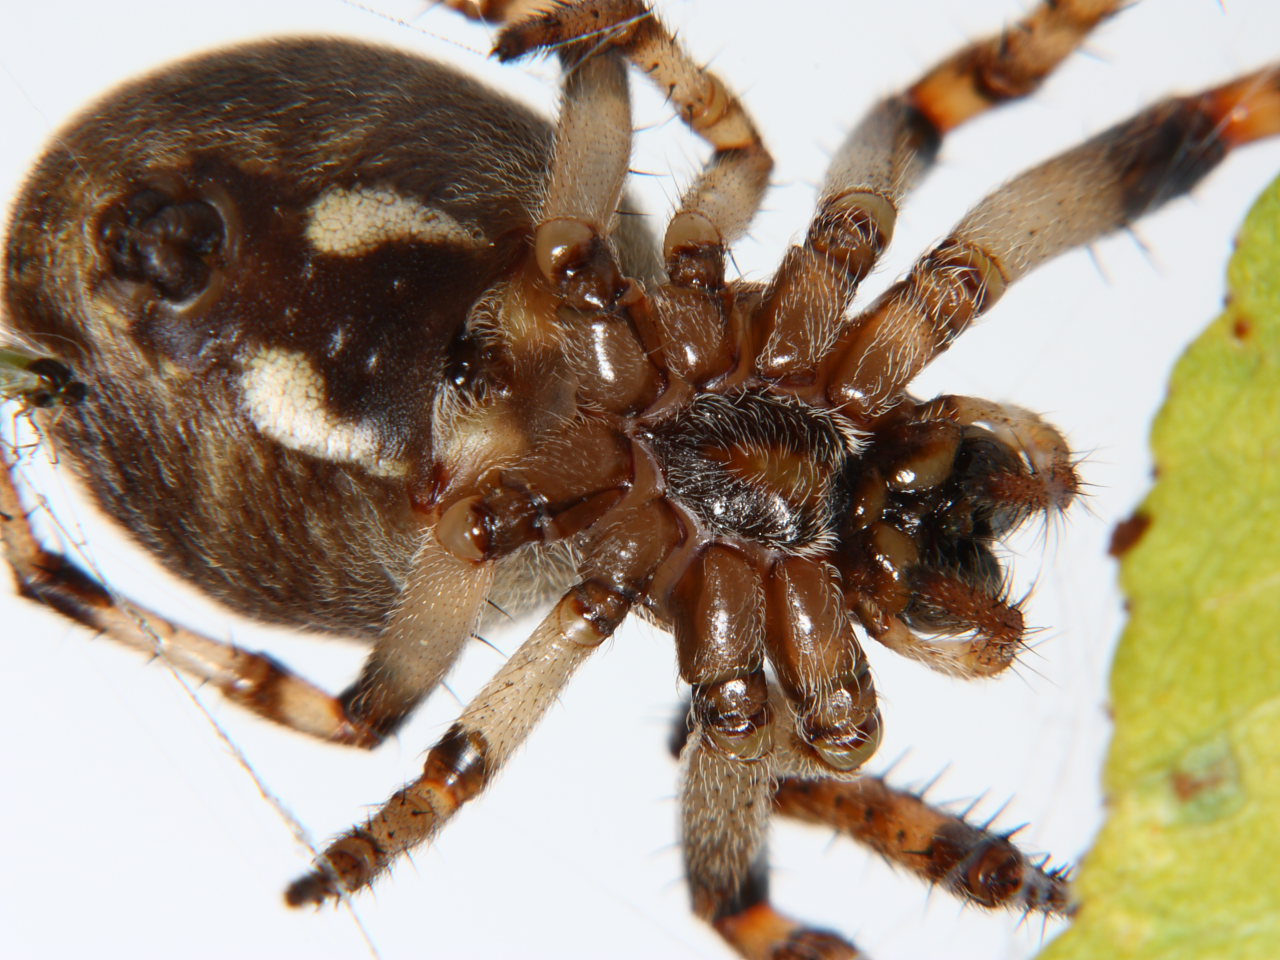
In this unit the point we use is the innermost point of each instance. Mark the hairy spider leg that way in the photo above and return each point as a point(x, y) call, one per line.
point(882, 160)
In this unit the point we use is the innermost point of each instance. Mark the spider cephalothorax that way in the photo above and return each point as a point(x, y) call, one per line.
point(378, 368)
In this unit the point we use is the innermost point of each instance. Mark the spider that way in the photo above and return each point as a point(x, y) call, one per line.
point(899, 696)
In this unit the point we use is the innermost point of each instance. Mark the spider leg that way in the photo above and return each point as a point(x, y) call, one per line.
point(742, 913)
point(974, 864)
point(593, 146)
point(255, 681)
point(719, 205)
point(621, 555)
point(725, 810)
point(437, 612)
point(726, 749)
point(686, 327)
point(1009, 65)
point(882, 160)
point(497, 11)
point(725, 625)
point(820, 666)
point(1072, 199)
point(467, 757)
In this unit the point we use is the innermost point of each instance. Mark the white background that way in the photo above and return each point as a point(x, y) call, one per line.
point(128, 826)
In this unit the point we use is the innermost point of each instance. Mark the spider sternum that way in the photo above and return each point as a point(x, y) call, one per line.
point(754, 466)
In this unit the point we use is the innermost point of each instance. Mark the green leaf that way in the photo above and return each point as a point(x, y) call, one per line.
point(1187, 866)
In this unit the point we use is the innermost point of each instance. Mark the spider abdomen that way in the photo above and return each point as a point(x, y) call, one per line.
point(271, 296)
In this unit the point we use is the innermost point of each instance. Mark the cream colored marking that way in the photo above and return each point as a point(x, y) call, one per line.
point(284, 396)
point(337, 340)
point(351, 223)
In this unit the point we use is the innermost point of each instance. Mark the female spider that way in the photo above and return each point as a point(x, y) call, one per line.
point(674, 445)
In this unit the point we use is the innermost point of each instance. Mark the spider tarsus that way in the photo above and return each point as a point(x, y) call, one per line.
point(978, 866)
point(310, 890)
